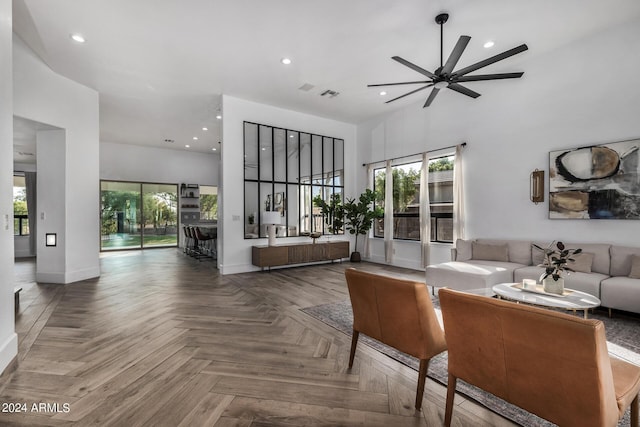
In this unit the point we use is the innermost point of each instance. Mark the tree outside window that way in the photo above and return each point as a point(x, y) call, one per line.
point(406, 199)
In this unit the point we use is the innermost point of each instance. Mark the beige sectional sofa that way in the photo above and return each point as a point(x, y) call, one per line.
point(613, 274)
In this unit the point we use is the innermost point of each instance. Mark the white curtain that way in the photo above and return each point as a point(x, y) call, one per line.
point(425, 212)
point(367, 250)
point(388, 214)
point(458, 197)
point(32, 209)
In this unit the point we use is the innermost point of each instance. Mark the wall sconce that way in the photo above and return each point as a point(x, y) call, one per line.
point(271, 218)
point(50, 239)
point(537, 186)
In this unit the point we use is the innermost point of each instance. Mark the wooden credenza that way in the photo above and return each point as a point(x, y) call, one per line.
point(298, 253)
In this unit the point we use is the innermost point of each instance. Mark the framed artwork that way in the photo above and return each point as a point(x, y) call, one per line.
point(595, 182)
point(279, 203)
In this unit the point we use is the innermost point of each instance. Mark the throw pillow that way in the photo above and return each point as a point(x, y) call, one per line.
point(485, 252)
point(463, 250)
point(635, 267)
point(582, 262)
point(537, 255)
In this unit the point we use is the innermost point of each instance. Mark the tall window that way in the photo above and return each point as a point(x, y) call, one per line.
point(284, 170)
point(20, 213)
point(138, 215)
point(406, 199)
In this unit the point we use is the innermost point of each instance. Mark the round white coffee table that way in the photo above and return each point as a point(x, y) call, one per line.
point(570, 300)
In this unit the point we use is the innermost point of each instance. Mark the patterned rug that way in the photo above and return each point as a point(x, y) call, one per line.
point(623, 341)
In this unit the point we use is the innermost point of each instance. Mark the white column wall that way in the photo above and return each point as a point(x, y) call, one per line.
point(8, 337)
point(510, 130)
point(51, 214)
point(236, 251)
point(44, 96)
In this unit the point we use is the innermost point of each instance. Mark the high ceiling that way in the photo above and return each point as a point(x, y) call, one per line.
point(160, 66)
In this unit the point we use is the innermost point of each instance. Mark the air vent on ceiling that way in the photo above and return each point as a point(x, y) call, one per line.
point(330, 93)
point(306, 87)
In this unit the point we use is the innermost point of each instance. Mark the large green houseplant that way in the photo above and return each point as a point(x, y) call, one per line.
point(359, 216)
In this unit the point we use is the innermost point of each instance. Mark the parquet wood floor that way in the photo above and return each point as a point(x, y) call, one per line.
point(163, 340)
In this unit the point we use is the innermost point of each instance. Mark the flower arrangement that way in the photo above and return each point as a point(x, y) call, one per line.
point(556, 260)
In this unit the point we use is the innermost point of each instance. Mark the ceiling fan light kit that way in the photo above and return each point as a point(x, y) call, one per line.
point(445, 76)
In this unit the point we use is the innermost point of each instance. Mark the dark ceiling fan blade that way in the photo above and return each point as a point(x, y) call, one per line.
point(401, 83)
point(463, 90)
point(410, 93)
point(414, 67)
point(431, 97)
point(487, 77)
point(455, 54)
point(489, 61)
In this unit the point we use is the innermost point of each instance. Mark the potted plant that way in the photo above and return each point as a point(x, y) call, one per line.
point(333, 212)
point(555, 264)
point(359, 216)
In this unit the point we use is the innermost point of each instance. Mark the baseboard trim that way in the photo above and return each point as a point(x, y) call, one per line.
point(8, 351)
point(69, 276)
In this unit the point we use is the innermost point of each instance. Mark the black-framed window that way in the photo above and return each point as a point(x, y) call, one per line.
point(20, 209)
point(406, 199)
point(284, 169)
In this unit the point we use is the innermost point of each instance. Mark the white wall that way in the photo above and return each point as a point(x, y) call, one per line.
point(123, 162)
point(8, 337)
point(585, 93)
point(44, 96)
point(236, 251)
point(51, 157)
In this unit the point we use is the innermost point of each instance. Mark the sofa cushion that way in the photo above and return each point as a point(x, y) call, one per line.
point(481, 251)
point(635, 267)
point(582, 262)
point(601, 257)
point(463, 248)
point(584, 282)
point(622, 293)
point(519, 250)
point(621, 259)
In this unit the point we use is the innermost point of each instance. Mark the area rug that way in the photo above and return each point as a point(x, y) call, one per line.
point(623, 340)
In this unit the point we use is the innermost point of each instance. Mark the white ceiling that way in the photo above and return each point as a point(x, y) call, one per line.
point(160, 66)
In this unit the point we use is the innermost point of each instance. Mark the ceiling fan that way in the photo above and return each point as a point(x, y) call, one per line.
point(445, 77)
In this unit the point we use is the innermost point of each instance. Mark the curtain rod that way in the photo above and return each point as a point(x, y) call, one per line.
point(416, 154)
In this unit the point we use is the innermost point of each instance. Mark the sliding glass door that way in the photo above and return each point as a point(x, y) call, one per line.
point(137, 215)
point(160, 215)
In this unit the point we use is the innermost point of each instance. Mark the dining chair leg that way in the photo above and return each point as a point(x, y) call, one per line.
point(422, 376)
point(451, 392)
point(354, 344)
point(634, 412)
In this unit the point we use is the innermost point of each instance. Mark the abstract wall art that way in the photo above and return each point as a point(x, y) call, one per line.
point(595, 182)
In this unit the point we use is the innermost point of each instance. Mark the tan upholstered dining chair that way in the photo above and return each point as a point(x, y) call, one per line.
point(551, 364)
point(398, 313)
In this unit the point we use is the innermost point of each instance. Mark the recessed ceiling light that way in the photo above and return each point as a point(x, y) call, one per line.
point(264, 149)
point(488, 44)
point(213, 149)
point(187, 146)
point(205, 128)
point(218, 117)
point(286, 61)
point(76, 37)
point(383, 93)
point(195, 138)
